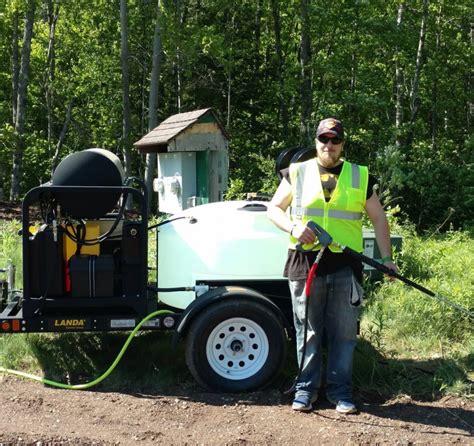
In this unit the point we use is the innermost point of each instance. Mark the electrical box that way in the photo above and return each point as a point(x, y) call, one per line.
point(371, 250)
point(192, 160)
point(176, 180)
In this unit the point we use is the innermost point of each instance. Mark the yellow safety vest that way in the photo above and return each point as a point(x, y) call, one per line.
point(341, 216)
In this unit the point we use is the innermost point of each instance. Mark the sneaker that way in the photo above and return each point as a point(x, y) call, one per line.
point(345, 406)
point(303, 403)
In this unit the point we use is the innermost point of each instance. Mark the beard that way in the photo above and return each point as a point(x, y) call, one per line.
point(330, 158)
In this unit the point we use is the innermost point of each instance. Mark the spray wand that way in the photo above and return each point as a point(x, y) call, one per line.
point(325, 240)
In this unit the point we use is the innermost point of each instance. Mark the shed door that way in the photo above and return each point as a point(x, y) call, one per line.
point(202, 176)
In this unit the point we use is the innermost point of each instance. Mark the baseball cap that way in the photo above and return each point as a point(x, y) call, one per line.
point(331, 126)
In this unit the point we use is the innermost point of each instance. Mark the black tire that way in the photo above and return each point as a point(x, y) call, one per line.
point(235, 345)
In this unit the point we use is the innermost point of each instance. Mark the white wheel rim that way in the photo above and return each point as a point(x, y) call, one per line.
point(237, 348)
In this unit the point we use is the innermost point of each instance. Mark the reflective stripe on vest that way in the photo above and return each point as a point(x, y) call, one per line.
point(344, 215)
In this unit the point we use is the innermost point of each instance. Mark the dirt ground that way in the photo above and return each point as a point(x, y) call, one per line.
point(34, 414)
point(10, 211)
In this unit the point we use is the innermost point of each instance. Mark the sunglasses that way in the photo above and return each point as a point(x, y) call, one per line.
point(325, 139)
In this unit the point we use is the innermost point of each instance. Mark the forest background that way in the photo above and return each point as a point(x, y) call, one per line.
point(80, 74)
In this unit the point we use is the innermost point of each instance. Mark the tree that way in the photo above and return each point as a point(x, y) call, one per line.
point(150, 164)
point(399, 82)
point(53, 14)
point(414, 92)
point(20, 114)
point(306, 78)
point(124, 55)
point(283, 117)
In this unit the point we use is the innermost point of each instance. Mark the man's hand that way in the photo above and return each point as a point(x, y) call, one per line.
point(304, 235)
point(390, 265)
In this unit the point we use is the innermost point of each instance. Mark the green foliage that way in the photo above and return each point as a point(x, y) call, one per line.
point(10, 246)
point(150, 363)
point(443, 264)
point(243, 60)
point(224, 55)
point(406, 326)
point(16, 353)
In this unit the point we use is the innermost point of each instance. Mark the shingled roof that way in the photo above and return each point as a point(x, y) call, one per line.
point(171, 127)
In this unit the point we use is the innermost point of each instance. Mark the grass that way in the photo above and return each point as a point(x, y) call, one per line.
point(10, 246)
point(425, 347)
point(409, 343)
point(150, 363)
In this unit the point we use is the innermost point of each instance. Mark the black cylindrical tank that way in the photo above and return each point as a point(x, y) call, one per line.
point(91, 167)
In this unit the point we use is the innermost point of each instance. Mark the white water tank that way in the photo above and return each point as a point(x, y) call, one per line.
point(231, 240)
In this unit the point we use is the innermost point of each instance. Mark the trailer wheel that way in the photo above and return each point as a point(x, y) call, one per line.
point(235, 346)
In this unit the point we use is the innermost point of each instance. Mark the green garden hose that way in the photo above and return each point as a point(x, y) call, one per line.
point(100, 378)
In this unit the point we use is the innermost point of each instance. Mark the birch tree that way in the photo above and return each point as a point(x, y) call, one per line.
point(53, 14)
point(15, 64)
point(414, 92)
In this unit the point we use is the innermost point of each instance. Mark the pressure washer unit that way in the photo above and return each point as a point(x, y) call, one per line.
point(85, 268)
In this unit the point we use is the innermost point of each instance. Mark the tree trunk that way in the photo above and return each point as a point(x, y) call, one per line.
point(399, 83)
point(229, 92)
point(15, 66)
point(283, 114)
point(414, 96)
point(228, 69)
point(23, 77)
point(256, 67)
point(354, 67)
point(49, 81)
point(305, 66)
point(62, 137)
point(470, 104)
point(150, 165)
point(125, 88)
point(179, 15)
point(434, 90)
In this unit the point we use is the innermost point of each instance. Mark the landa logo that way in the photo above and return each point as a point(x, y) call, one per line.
point(70, 323)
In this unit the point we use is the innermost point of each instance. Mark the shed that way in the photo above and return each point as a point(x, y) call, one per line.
point(193, 159)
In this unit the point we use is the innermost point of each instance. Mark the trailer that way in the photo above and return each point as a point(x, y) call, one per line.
point(218, 276)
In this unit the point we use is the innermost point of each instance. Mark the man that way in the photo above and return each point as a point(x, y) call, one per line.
point(333, 193)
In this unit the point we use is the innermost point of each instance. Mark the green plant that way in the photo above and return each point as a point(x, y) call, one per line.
point(408, 328)
point(10, 246)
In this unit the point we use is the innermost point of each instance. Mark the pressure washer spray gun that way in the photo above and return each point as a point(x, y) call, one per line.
point(326, 240)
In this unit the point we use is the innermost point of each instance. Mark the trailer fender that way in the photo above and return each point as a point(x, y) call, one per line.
point(219, 294)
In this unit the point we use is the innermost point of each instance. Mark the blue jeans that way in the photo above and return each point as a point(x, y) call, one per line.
point(330, 308)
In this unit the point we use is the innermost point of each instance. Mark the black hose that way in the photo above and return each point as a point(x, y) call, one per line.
point(165, 222)
point(170, 290)
point(91, 242)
